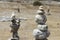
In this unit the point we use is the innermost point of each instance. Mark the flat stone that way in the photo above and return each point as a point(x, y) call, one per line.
point(13, 39)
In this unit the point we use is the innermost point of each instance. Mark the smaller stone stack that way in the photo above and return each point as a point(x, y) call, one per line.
point(41, 32)
point(15, 24)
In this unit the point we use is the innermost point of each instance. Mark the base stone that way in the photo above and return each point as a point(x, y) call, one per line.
point(13, 39)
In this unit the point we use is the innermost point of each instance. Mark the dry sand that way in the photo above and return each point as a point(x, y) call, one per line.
point(26, 28)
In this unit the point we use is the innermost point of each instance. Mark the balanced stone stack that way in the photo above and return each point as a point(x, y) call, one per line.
point(14, 27)
point(41, 32)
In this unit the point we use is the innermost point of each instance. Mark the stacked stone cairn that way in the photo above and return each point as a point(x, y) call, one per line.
point(15, 24)
point(41, 32)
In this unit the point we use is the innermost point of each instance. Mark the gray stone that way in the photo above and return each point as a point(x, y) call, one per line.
point(13, 39)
